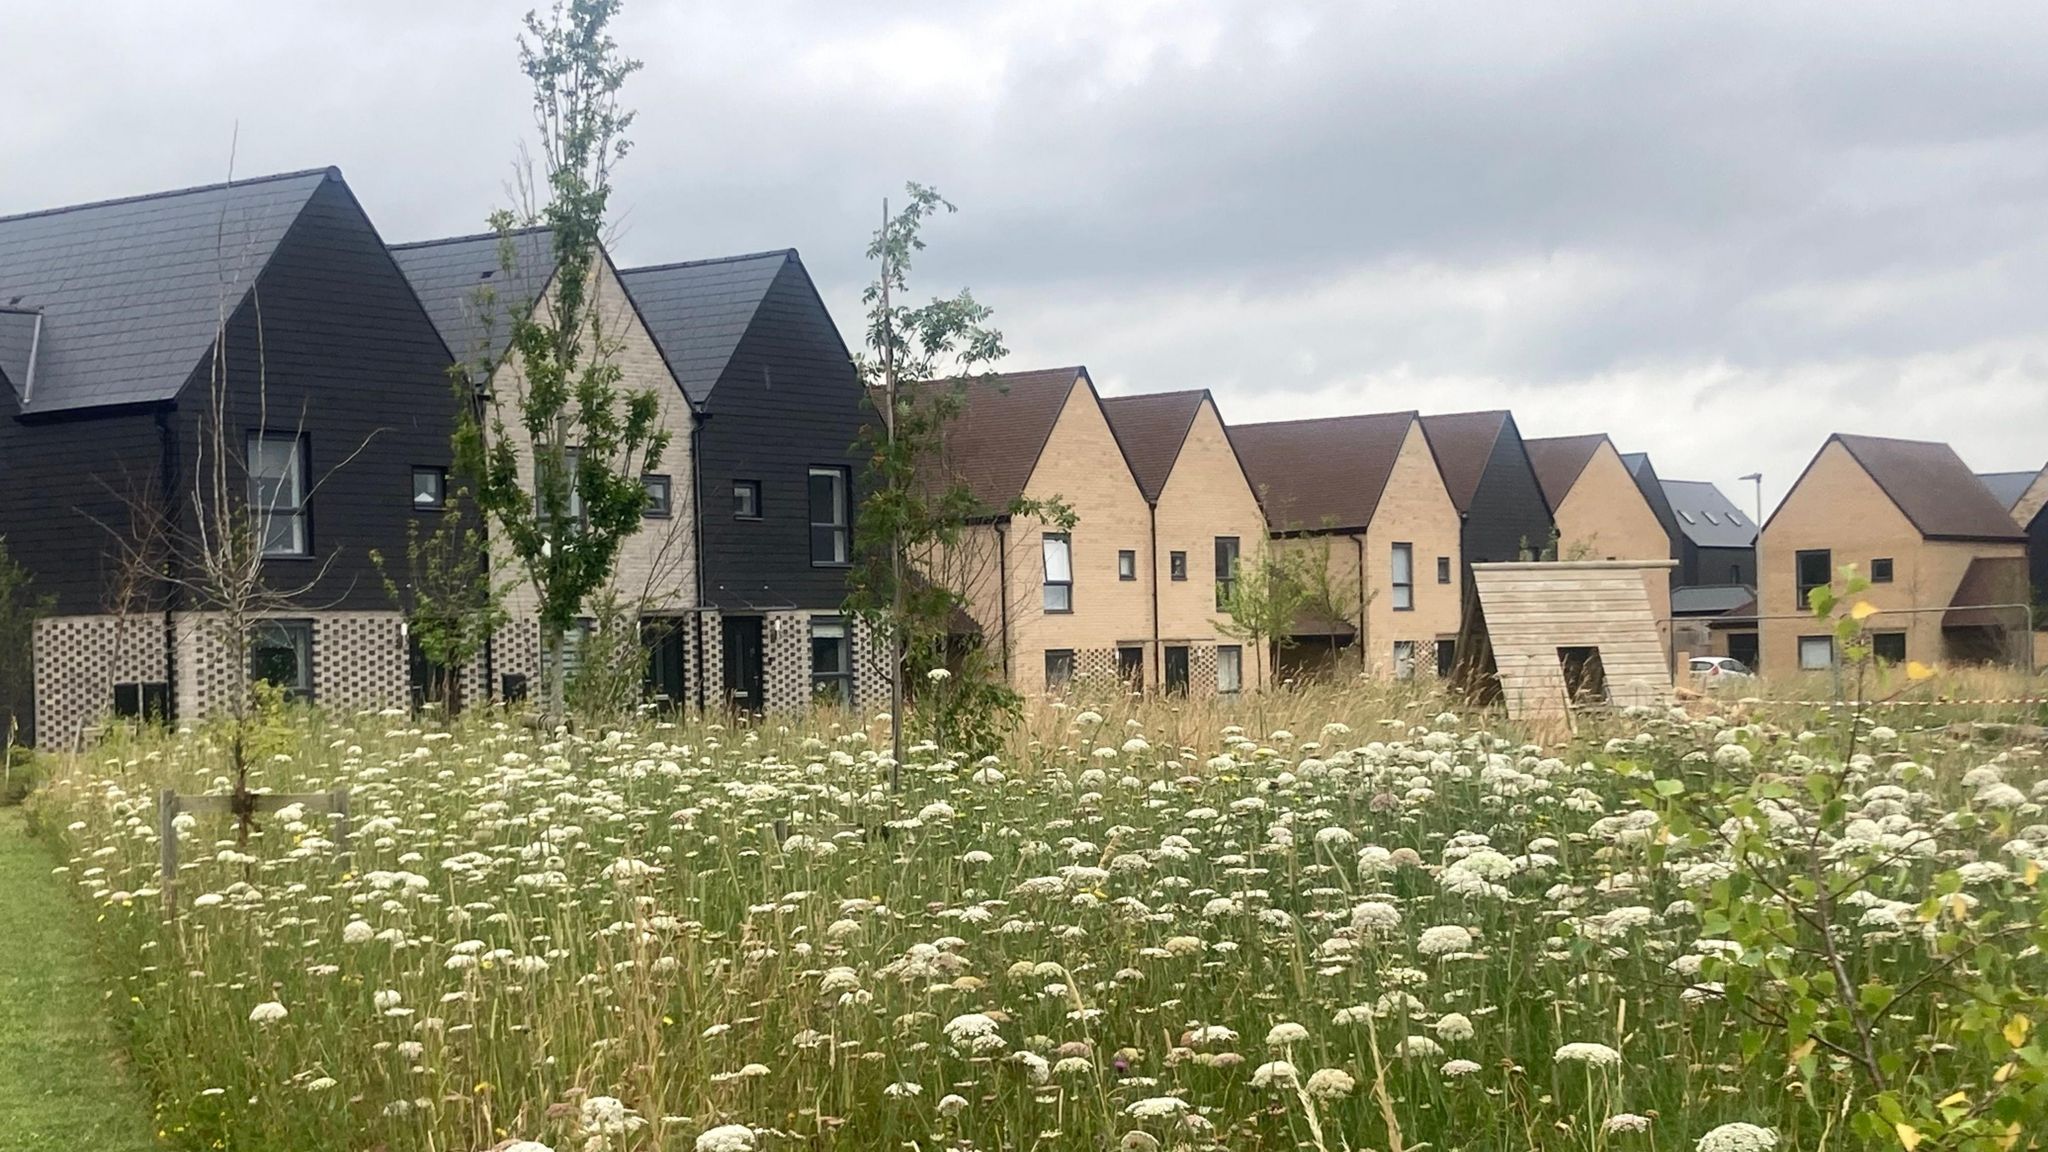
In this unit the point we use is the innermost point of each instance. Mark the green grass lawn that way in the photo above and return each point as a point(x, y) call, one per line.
point(62, 1082)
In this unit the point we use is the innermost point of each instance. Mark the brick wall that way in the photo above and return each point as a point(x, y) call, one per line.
point(1206, 496)
point(1606, 517)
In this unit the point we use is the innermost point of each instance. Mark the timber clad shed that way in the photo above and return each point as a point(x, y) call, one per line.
point(1567, 632)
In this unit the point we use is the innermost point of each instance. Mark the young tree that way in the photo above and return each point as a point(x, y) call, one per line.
point(563, 511)
point(452, 605)
point(1262, 602)
point(914, 519)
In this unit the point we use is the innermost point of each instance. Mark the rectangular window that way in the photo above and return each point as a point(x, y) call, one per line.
point(1059, 572)
point(658, 505)
point(831, 517)
point(1814, 569)
point(1403, 577)
point(1226, 569)
point(1446, 656)
point(1127, 565)
point(281, 655)
point(429, 487)
point(572, 460)
point(1443, 569)
point(145, 701)
point(1881, 570)
point(1059, 668)
point(1816, 653)
point(277, 493)
point(1229, 668)
point(1178, 670)
point(1888, 646)
point(1404, 659)
point(1177, 565)
point(746, 499)
point(831, 661)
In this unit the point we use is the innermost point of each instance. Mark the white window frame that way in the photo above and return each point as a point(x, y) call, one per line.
point(287, 502)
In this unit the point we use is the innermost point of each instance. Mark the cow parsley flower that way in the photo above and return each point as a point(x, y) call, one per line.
point(268, 1012)
point(1156, 1108)
point(726, 1138)
point(1444, 939)
point(1625, 1122)
point(1275, 1073)
point(1738, 1137)
point(1330, 1084)
point(1285, 1033)
point(1592, 1055)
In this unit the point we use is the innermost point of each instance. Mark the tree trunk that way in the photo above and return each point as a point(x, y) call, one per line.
point(552, 677)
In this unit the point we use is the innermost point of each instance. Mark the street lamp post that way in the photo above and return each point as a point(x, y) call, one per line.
point(1756, 559)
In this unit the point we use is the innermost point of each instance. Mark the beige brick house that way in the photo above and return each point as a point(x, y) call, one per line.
point(1601, 513)
point(1057, 606)
point(1364, 496)
point(1946, 561)
point(1205, 522)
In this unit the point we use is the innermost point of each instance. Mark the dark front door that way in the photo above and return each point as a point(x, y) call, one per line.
point(1742, 646)
point(1177, 670)
point(662, 636)
point(431, 683)
point(1130, 667)
point(743, 663)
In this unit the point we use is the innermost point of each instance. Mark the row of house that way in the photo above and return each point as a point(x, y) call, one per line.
point(262, 339)
point(146, 344)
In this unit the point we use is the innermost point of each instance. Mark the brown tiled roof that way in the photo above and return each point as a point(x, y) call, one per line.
point(1559, 460)
point(1988, 581)
point(1463, 443)
point(1004, 421)
point(1321, 474)
point(1933, 487)
point(1152, 429)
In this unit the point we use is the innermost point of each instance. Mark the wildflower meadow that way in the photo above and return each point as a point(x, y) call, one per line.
point(1387, 927)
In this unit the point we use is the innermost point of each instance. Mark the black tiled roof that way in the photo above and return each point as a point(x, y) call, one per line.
point(1707, 517)
point(697, 311)
point(132, 291)
point(467, 287)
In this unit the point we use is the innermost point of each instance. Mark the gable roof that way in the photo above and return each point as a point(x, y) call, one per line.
point(1151, 429)
point(1932, 486)
point(698, 310)
point(471, 285)
point(1559, 461)
point(1707, 517)
point(1635, 462)
point(133, 291)
point(1463, 443)
point(1004, 422)
point(1321, 474)
point(2008, 487)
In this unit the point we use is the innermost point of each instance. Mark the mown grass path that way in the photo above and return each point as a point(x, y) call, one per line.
point(62, 1081)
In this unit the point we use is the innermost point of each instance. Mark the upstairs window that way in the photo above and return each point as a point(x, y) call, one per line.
point(1127, 565)
point(746, 499)
point(429, 488)
point(572, 463)
point(1881, 570)
point(1443, 569)
point(1402, 577)
point(277, 492)
point(1226, 568)
point(1177, 565)
point(1059, 572)
point(831, 517)
point(659, 497)
point(1815, 569)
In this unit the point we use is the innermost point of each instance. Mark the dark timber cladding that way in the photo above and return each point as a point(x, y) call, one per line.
point(1492, 483)
point(749, 341)
point(322, 338)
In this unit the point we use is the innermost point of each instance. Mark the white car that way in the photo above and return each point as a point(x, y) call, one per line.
point(1712, 668)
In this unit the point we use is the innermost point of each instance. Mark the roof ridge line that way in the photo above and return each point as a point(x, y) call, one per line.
point(1408, 412)
point(785, 253)
point(471, 237)
point(330, 171)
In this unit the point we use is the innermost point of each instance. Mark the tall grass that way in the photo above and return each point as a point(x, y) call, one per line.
point(1106, 938)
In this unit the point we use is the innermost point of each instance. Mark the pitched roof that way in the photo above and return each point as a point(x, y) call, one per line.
point(18, 332)
point(1990, 594)
point(1635, 462)
point(1558, 461)
point(1710, 599)
point(1325, 473)
point(132, 291)
point(698, 310)
point(1152, 429)
point(1933, 487)
point(1463, 443)
point(1004, 422)
point(472, 286)
point(1707, 517)
point(2008, 487)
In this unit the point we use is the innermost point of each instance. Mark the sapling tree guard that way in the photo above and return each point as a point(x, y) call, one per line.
point(565, 490)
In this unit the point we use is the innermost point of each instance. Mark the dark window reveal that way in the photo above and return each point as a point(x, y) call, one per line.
point(277, 492)
point(1813, 569)
point(1443, 569)
point(1402, 577)
point(1059, 572)
point(831, 661)
point(1127, 565)
point(281, 655)
point(1226, 568)
point(429, 487)
point(1889, 646)
point(1177, 565)
point(746, 499)
point(1059, 668)
point(1881, 570)
point(659, 505)
point(831, 517)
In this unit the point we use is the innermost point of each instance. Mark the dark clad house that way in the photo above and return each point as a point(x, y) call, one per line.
point(1491, 480)
point(2025, 496)
point(778, 476)
point(123, 320)
point(1716, 540)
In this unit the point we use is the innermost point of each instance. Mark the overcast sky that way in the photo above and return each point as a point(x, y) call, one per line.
point(1716, 232)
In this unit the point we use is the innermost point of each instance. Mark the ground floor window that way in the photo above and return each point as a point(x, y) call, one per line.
point(1889, 646)
point(1404, 659)
point(1229, 668)
point(281, 655)
point(1059, 668)
point(831, 661)
point(1816, 652)
point(1130, 667)
point(1446, 656)
point(1177, 670)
